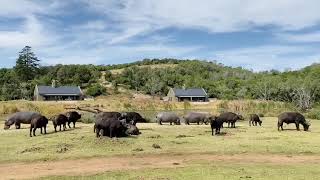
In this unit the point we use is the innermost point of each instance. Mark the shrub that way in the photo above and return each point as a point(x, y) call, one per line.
point(96, 90)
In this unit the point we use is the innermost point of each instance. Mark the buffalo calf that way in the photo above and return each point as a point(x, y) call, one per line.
point(254, 120)
point(38, 122)
point(59, 120)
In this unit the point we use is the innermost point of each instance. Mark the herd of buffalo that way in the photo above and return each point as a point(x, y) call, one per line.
point(116, 124)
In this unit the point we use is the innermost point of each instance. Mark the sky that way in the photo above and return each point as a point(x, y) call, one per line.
point(257, 35)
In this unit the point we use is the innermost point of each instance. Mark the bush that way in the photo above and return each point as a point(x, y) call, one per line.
point(96, 90)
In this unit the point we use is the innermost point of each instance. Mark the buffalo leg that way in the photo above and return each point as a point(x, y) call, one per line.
point(250, 123)
point(170, 123)
point(34, 131)
point(217, 130)
point(97, 132)
point(69, 124)
point(41, 130)
point(31, 131)
point(55, 128)
point(18, 125)
point(45, 129)
point(212, 131)
point(297, 126)
point(111, 132)
point(160, 122)
point(64, 126)
point(74, 124)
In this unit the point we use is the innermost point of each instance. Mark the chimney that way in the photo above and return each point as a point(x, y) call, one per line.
point(54, 85)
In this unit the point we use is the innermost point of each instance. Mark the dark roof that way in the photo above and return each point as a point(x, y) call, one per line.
point(62, 90)
point(190, 92)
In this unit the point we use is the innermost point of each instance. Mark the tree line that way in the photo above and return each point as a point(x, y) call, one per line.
point(300, 87)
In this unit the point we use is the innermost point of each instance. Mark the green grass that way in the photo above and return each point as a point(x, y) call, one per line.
point(17, 146)
point(211, 171)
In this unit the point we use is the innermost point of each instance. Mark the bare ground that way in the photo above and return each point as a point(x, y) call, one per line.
point(100, 165)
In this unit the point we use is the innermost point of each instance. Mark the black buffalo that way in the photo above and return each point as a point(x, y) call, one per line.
point(230, 118)
point(20, 118)
point(216, 124)
point(38, 122)
point(133, 118)
point(292, 117)
point(254, 120)
point(114, 127)
point(59, 120)
point(73, 117)
point(169, 117)
point(107, 115)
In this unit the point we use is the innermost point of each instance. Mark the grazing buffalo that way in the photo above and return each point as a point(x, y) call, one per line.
point(168, 117)
point(107, 115)
point(20, 118)
point(59, 120)
point(38, 122)
point(254, 120)
point(73, 117)
point(113, 127)
point(292, 117)
point(230, 118)
point(216, 124)
point(196, 117)
point(133, 118)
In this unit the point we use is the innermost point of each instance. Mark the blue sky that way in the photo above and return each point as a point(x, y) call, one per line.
point(257, 35)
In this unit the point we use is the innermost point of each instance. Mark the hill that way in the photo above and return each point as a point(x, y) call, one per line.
point(156, 76)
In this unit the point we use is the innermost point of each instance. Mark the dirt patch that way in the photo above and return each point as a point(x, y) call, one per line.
point(100, 165)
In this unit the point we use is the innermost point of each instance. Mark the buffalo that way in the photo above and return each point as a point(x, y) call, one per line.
point(73, 117)
point(133, 118)
point(168, 117)
point(38, 122)
point(230, 118)
point(254, 120)
point(196, 117)
point(216, 124)
point(59, 120)
point(292, 117)
point(20, 118)
point(114, 127)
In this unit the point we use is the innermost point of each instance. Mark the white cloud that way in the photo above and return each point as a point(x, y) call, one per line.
point(215, 16)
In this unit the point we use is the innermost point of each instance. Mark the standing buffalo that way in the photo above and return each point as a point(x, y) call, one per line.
point(196, 117)
point(168, 117)
point(254, 120)
point(38, 122)
point(216, 124)
point(59, 120)
point(73, 117)
point(20, 118)
point(292, 117)
point(114, 127)
point(230, 118)
point(133, 118)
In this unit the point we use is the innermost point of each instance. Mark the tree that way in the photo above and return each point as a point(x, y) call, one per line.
point(27, 65)
point(96, 90)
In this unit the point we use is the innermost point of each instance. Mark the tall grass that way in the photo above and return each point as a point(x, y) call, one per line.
point(150, 107)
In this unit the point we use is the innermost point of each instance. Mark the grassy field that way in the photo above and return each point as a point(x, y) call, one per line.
point(80, 143)
point(207, 171)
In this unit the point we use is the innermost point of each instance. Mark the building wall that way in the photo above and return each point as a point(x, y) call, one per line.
point(171, 95)
point(36, 95)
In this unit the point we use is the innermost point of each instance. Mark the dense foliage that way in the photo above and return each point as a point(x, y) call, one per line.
point(300, 87)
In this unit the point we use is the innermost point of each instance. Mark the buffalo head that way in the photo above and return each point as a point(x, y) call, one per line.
point(7, 124)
